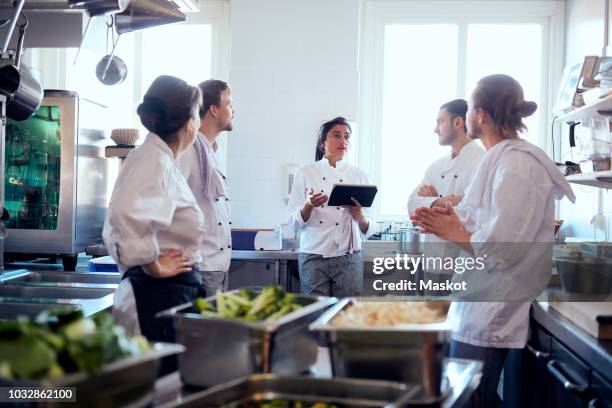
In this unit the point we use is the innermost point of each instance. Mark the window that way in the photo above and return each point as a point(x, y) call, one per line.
point(413, 63)
point(181, 50)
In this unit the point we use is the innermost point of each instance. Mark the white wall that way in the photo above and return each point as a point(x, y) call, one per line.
point(584, 36)
point(294, 64)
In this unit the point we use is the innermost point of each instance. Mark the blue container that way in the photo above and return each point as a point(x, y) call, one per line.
point(103, 264)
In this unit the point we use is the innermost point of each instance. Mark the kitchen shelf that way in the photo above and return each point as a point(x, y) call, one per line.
point(601, 107)
point(601, 179)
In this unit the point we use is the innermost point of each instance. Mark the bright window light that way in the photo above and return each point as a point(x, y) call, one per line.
point(181, 50)
point(420, 74)
point(512, 49)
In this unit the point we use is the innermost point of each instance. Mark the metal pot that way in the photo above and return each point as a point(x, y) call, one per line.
point(115, 73)
point(410, 240)
point(23, 92)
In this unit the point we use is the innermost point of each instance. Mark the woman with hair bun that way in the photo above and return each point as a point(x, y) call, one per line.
point(154, 226)
point(506, 220)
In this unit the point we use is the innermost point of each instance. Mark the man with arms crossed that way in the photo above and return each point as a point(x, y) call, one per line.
point(449, 176)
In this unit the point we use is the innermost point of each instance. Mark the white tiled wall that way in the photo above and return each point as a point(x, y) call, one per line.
point(294, 64)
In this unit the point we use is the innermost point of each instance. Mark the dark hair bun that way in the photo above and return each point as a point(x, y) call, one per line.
point(168, 104)
point(527, 108)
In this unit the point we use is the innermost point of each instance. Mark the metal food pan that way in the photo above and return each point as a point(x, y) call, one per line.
point(341, 392)
point(220, 350)
point(129, 382)
point(411, 353)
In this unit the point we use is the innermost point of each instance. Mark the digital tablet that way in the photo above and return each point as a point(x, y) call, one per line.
point(341, 194)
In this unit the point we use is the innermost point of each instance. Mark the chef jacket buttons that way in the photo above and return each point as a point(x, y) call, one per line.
point(323, 178)
point(219, 223)
point(226, 199)
point(230, 223)
point(229, 247)
point(336, 224)
point(440, 195)
point(221, 248)
point(216, 199)
point(321, 190)
point(443, 176)
point(337, 208)
point(455, 176)
point(320, 222)
point(341, 180)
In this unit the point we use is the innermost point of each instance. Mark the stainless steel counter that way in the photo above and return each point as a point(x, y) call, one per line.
point(596, 353)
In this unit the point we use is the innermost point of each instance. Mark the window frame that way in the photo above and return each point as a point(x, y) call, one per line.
point(377, 14)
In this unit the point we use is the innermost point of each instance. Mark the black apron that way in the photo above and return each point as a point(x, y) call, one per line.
point(154, 295)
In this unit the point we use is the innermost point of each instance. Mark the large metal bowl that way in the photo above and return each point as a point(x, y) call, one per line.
point(588, 275)
point(411, 353)
point(221, 350)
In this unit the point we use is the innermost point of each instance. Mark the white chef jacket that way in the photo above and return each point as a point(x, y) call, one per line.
point(449, 176)
point(152, 209)
point(511, 200)
point(217, 240)
point(329, 229)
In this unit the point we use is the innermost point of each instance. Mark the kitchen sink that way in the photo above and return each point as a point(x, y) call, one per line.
point(56, 291)
point(56, 276)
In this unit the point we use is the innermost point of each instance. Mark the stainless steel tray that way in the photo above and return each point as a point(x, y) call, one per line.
point(411, 353)
point(128, 382)
point(260, 387)
point(220, 350)
point(461, 379)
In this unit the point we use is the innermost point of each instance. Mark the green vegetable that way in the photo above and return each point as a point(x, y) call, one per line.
point(51, 345)
point(27, 357)
point(272, 303)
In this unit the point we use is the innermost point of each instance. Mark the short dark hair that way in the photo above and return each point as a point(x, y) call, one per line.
point(502, 97)
point(211, 91)
point(324, 130)
point(168, 104)
point(457, 108)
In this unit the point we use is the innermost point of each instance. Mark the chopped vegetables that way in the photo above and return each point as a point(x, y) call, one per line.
point(62, 341)
point(279, 403)
point(272, 303)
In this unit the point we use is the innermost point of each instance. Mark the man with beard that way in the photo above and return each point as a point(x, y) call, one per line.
point(446, 181)
point(448, 177)
point(202, 166)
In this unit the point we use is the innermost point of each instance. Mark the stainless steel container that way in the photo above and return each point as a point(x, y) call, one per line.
point(407, 353)
point(589, 275)
point(410, 242)
point(129, 382)
point(261, 387)
point(220, 350)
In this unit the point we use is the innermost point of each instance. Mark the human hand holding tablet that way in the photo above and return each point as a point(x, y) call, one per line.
point(341, 194)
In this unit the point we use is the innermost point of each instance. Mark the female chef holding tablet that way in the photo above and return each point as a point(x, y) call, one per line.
point(330, 262)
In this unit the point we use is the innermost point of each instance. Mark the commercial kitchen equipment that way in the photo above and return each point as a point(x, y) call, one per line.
point(56, 178)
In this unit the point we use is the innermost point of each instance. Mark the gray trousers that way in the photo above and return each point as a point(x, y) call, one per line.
point(214, 280)
point(340, 276)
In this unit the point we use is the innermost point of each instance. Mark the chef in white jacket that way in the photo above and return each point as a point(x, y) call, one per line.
point(202, 166)
point(511, 201)
point(448, 177)
point(330, 261)
point(154, 227)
